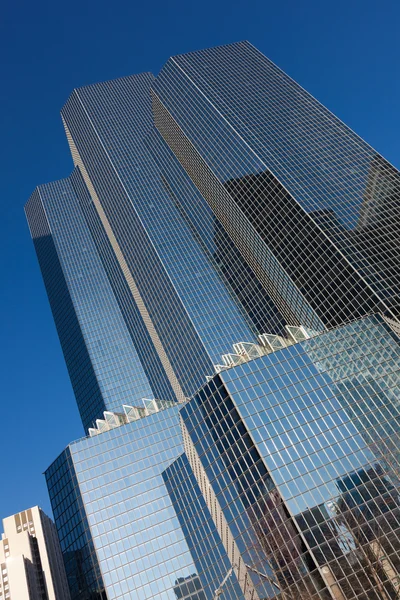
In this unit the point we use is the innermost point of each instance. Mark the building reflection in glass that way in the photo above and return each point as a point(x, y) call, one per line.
point(309, 204)
point(201, 533)
point(189, 588)
point(299, 448)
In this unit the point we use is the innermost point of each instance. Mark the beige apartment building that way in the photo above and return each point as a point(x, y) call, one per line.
point(31, 563)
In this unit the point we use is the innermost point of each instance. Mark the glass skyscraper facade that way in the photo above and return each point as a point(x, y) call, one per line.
point(222, 267)
point(300, 449)
point(184, 303)
point(123, 518)
point(312, 207)
point(101, 358)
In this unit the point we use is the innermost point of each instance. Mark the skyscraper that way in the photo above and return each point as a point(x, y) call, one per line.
point(221, 225)
point(101, 357)
point(31, 562)
point(174, 301)
point(182, 300)
point(289, 182)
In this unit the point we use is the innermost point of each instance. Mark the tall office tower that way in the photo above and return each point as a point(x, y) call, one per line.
point(311, 206)
point(191, 313)
point(287, 480)
point(220, 223)
point(148, 309)
point(101, 357)
point(31, 562)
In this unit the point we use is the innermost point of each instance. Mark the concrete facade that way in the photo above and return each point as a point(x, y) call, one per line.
point(31, 563)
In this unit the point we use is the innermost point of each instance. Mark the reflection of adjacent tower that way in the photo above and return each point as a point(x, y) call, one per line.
point(370, 250)
point(84, 578)
point(247, 288)
point(266, 156)
point(375, 239)
point(205, 533)
point(217, 245)
point(189, 588)
point(381, 201)
point(369, 504)
point(291, 463)
point(316, 268)
point(321, 268)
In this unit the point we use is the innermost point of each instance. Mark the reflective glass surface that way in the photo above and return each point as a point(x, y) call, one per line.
point(183, 298)
point(81, 564)
point(286, 178)
point(301, 448)
point(101, 358)
point(140, 548)
point(215, 242)
point(205, 545)
point(208, 205)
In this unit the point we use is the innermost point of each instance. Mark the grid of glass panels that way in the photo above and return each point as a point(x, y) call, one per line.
point(247, 181)
point(235, 470)
point(147, 354)
point(286, 294)
point(132, 520)
point(264, 151)
point(192, 311)
point(219, 248)
point(80, 560)
point(205, 545)
point(140, 547)
point(102, 361)
point(323, 416)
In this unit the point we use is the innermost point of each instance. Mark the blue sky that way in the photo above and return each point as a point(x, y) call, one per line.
point(346, 53)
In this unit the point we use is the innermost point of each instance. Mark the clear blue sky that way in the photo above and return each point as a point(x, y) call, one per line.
point(346, 53)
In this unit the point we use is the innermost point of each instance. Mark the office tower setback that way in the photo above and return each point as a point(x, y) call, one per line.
point(31, 562)
point(223, 270)
point(181, 298)
point(134, 546)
